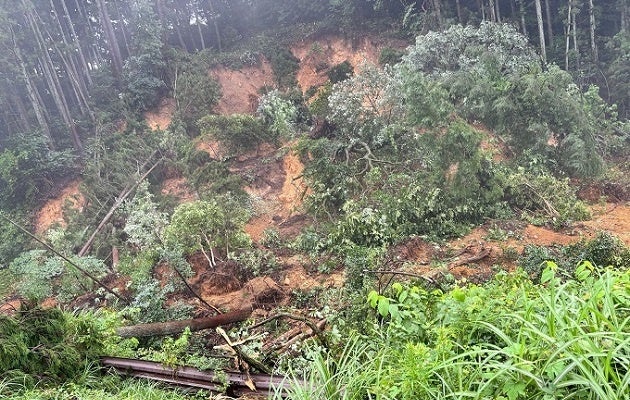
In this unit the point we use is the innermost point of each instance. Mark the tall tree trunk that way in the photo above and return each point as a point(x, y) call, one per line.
point(549, 22)
point(574, 35)
point(591, 14)
point(22, 114)
point(114, 49)
point(31, 90)
point(178, 30)
point(568, 35)
point(625, 15)
point(438, 12)
point(493, 16)
point(50, 74)
point(203, 42)
point(75, 40)
point(215, 17)
point(497, 5)
point(123, 30)
point(541, 31)
point(92, 49)
point(458, 7)
point(76, 82)
point(521, 11)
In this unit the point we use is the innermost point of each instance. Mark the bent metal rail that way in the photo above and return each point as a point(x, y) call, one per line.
point(233, 383)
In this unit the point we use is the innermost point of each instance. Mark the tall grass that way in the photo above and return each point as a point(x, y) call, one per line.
point(560, 340)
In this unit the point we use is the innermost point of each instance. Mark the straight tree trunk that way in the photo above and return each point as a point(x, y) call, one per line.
point(22, 115)
point(33, 96)
point(50, 74)
point(123, 30)
point(173, 327)
point(591, 14)
point(458, 7)
point(75, 40)
point(625, 15)
point(203, 42)
point(541, 31)
point(568, 36)
point(521, 11)
point(549, 22)
point(114, 49)
point(574, 35)
point(216, 24)
point(438, 12)
point(493, 15)
point(76, 82)
point(497, 5)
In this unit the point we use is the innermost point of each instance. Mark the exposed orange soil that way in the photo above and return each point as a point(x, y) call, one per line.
point(240, 89)
point(52, 212)
point(317, 57)
point(277, 196)
point(161, 117)
point(179, 189)
point(418, 256)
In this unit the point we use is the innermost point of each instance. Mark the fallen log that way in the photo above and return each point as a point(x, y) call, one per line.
point(172, 327)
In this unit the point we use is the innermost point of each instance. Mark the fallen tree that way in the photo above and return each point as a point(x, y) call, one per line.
point(172, 327)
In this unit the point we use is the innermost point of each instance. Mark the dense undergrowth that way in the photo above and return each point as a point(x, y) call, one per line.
point(508, 339)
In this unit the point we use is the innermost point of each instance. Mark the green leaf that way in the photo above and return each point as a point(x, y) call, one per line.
point(372, 298)
point(383, 306)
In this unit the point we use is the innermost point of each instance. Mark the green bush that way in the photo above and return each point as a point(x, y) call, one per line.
point(238, 133)
point(284, 64)
point(208, 226)
point(390, 56)
point(340, 72)
point(39, 347)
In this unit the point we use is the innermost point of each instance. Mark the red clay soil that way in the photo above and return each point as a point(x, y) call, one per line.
point(52, 212)
point(241, 88)
point(161, 117)
point(318, 56)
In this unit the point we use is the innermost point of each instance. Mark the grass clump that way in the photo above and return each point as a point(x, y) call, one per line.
point(510, 339)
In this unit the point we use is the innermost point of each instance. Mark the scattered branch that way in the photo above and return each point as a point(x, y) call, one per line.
point(235, 350)
point(317, 330)
point(66, 259)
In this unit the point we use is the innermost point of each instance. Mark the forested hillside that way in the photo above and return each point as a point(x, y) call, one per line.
point(388, 199)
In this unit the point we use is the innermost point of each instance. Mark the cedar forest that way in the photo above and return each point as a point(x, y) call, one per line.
point(391, 199)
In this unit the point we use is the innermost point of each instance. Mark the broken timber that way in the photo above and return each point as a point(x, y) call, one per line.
point(172, 327)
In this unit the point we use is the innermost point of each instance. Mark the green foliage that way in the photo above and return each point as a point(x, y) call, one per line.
point(29, 169)
point(605, 250)
point(12, 240)
point(144, 70)
point(618, 72)
point(238, 133)
point(194, 90)
point(492, 75)
point(213, 224)
point(319, 106)
point(284, 64)
point(144, 223)
point(340, 72)
point(390, 56)
point(113, 160)
point(46, 346)
point(543, 199)
point(278, 115)
point(509, 339)
point(40, 275)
